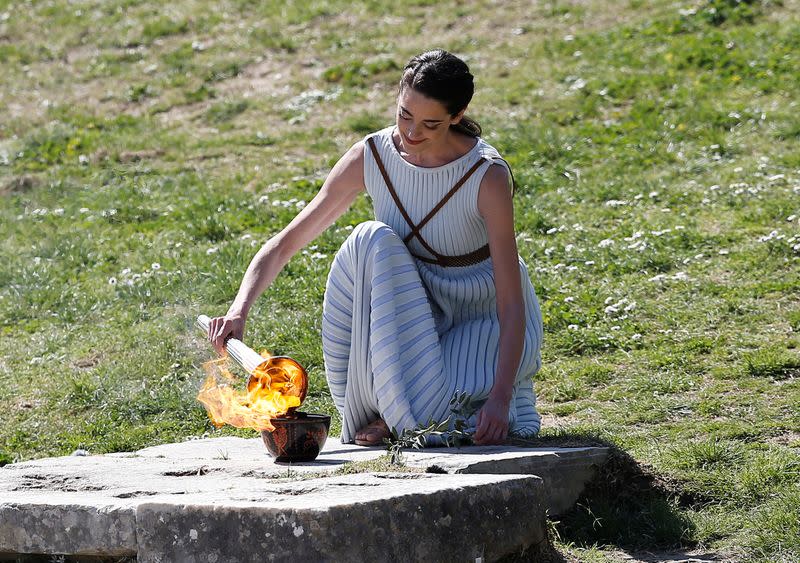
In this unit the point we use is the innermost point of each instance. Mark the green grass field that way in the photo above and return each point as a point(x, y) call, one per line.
point(147, 149)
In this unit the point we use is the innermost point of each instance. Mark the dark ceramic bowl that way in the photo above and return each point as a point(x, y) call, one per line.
point(297, 438)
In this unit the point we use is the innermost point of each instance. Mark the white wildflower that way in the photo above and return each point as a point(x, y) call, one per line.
point(589, 263)
point(616, 202)
point(636, 336)
point(112, 281)
point(605, 243)
point(573, 327)
point(212, 250)
point(724, 251)
point(579, 84)
point(155, 266)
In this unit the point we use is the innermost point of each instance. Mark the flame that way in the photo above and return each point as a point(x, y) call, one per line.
point(275, 386)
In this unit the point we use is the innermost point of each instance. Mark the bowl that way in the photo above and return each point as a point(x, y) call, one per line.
point(297, 438)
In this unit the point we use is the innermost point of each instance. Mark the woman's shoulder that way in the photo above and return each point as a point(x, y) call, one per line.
point(487, 150)
point(380, 135)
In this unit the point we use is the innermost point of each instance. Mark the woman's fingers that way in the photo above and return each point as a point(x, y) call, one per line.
point(219, 329)
point(222, 328)
point(480, 428)
point(490, 432)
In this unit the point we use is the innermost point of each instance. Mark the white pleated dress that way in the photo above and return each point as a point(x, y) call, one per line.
point(401, 335)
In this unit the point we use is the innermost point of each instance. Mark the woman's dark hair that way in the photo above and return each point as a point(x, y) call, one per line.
point(445, 78)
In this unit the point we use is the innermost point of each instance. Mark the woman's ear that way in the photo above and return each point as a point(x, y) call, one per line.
point(457, 117)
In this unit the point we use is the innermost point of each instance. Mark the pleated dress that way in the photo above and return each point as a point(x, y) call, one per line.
point(410, 311)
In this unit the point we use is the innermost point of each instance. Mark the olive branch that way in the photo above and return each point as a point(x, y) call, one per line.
point(452, 430)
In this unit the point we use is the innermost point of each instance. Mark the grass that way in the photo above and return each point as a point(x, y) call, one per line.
point(655, 148)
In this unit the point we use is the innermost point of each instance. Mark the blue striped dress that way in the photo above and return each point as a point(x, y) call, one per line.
point(401, 335)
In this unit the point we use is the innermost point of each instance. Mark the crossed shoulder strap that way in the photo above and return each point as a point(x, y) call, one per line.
point(468, 259)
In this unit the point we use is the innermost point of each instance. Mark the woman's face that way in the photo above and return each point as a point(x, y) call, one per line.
point(423, 122)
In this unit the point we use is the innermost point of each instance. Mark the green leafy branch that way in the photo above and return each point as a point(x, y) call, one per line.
point(452, 430)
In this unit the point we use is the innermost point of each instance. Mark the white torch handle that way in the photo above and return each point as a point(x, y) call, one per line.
point(242, 354)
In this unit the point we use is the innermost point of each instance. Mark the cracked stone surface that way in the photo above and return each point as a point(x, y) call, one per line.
point(227, 500)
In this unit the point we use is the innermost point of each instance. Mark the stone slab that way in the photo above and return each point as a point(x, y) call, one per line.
point(380, 516)
point(565, 470)
point(121, 504)
point(362, 517)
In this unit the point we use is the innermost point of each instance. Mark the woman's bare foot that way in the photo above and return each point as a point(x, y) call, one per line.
point(372, 434)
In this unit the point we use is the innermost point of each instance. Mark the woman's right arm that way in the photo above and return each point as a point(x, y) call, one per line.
point(343, 184)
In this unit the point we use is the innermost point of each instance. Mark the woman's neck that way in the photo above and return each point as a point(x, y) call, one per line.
point(452, 147)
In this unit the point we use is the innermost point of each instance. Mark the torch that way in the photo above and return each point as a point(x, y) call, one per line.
point(241, 353)
point(275, 369)
point(276, 388)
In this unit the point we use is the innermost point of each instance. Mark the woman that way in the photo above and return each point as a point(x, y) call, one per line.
point(432, 297)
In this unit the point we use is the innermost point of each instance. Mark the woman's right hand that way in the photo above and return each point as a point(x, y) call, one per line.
point(220, 329)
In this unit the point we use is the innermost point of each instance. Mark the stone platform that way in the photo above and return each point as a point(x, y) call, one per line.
point(225, 499)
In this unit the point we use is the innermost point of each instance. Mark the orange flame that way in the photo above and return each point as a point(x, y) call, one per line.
point(277, 385)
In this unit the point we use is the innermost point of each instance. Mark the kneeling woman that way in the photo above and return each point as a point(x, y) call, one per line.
point(431, 297)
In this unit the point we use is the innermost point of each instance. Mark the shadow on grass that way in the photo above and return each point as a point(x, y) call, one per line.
point(626, 506)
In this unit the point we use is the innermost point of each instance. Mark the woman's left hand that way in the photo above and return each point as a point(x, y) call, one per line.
point(492, 423)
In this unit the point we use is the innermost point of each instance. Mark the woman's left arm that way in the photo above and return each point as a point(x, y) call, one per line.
point(496, 206)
